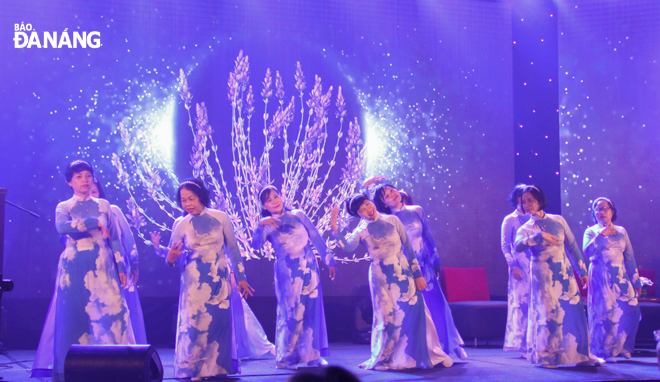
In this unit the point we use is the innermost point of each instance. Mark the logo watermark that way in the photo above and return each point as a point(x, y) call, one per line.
point(53, 40)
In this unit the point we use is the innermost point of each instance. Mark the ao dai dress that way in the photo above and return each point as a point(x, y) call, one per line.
point(131, 262)
point(403, 334)
point(87, 307)
point(517, 321)
point(614, 312)
point(301, 334)
point(558, 321)
point(205, 343)
point(422, 243)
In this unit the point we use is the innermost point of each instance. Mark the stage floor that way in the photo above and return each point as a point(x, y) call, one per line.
point(484, 363)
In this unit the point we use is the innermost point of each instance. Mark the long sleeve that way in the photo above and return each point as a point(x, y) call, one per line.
point(350, 243)
point(176, 236)
point(528, 236)
point(115, 242)
point(592, 241)
point(66, 225)
point(428, 240)
point(630, 263)
point(574, 249)
point(505, 239)
point(259, 237)
point(232, 247)
point(127, 238)
point(317, 240)
point(407, 247)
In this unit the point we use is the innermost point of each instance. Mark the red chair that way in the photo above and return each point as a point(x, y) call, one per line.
point(475, 315)
point(465, 284)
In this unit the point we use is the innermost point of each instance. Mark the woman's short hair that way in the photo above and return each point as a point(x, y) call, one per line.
point(197, 187)
point(615, 212)
point(98, 187)
point(379, 199)
point(264, 194)
point(75, 167)
point(537, 194)
point(516, 194)
point(354, 203)
point(406, 198)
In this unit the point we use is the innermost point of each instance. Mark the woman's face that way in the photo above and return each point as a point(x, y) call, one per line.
point(367, 210)
point(529, 204)
point(274, 203)
point(391, 197)
point(190, 202)
point(94, 191)
point(603, 212)
point(81, 183)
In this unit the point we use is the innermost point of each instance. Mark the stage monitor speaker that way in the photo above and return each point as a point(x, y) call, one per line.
point(112, 363)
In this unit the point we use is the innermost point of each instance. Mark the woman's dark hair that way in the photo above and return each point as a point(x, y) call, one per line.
point(515, 194)
point(197, 187)
point(98, 187)
point(75, 167)
point(615, 212)
point(354, 203)
point(538, 194)
point(264, 194)
point(406, 198)
point(379, 197)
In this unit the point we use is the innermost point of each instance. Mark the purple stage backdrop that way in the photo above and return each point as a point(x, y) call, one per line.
point(609, 80)
point(429, 82)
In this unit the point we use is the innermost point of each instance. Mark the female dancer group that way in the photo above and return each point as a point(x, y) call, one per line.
point(546, 319)
point(412, 325)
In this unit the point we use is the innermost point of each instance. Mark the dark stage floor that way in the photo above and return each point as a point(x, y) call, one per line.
point(484, 364)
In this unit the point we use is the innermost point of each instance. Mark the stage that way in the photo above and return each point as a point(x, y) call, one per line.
point(484, 362)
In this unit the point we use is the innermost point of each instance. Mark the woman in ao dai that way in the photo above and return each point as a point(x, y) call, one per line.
point(515, 338)
point(388, 200)
point(614, 284)
point(131, 262)
point(301, 334)
point(558, 322)
point(403, 334)
point(87, 307)
point(205, 344)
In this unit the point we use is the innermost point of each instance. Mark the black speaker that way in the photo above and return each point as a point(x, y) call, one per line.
point(112, 363)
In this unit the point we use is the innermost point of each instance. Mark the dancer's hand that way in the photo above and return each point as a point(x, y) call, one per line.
point(585, 282)
point(334, 212)
point(244, 289)
point(372, 180)
point(269, 221)
point(104, 231)
point(638, 292)
point(174, 253)
point(122, 280)
point(155, 239)
point(333, 272)
point(517, 273)
point(420, 283)
point(550, 238)
point(607, 231)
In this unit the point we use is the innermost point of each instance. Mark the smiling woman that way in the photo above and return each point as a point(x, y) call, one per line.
point(558, 326)
point(614, 284)
point(204, 343)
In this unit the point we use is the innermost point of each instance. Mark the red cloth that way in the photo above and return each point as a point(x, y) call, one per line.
point(465, 284)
